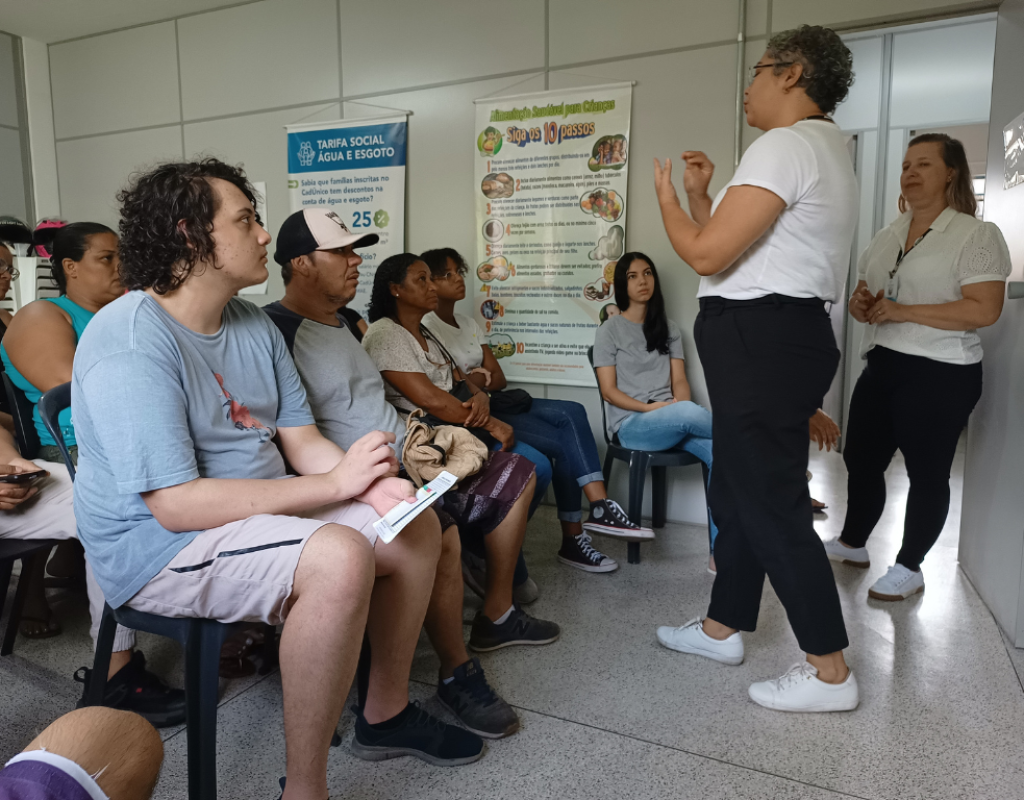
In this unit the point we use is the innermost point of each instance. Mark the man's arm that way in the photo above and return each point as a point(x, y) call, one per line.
point(210, 502)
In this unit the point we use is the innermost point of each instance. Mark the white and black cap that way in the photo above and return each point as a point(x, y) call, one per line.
point(316, 228)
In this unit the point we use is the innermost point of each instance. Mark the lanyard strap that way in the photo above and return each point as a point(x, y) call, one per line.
point(902, 255)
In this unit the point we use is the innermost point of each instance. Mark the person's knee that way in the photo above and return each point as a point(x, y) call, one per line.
point(423, 536)
point(336, 556)
point(120, 748)
point(451, 545)
point(529, 490)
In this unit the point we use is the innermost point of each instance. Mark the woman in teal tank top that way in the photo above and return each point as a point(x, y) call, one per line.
point(39, 348)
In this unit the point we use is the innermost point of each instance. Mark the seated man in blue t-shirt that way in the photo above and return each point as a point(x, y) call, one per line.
point(183, 502)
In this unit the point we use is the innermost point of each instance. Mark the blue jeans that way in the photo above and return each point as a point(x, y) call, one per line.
point(683, 426)
point(560, 431)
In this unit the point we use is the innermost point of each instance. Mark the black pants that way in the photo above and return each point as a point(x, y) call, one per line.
point(768, 363)
point(919, 406)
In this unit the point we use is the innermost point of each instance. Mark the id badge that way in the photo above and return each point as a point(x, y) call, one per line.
point(892, 287)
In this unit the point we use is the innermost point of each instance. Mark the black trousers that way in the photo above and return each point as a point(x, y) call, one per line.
point(918, 406)
point(768, 363)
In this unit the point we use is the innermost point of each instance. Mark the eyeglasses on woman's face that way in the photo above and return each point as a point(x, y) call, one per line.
point(752, 71)
point(9, 269)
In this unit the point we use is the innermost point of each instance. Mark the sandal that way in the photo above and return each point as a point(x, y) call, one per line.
point(50, 627)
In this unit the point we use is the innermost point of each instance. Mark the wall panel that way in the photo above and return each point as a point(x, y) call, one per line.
point(259, 56)
point(93, 170)
point(115, 81)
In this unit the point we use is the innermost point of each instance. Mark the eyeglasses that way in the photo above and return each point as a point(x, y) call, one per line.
point(12, 271)
point(752, 71)
point(450, 276)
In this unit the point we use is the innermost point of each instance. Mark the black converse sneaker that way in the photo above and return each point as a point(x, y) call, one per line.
point(608, 518)
point(578, 552)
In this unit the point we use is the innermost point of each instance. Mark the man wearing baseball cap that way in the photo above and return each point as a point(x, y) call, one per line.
point(346, 394)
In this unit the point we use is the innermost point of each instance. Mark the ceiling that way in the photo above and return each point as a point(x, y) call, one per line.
point(56, 20)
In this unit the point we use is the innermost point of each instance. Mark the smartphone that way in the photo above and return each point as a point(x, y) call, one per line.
point(23, 477)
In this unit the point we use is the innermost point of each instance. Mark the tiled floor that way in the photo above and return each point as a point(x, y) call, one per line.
point(607, 713)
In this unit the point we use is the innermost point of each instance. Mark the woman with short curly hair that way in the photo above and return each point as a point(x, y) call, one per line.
point(772, 249)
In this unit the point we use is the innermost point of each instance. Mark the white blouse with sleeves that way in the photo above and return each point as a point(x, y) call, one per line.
point(957, 251)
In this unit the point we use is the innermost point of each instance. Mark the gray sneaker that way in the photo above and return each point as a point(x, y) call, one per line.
point(519, 628)
point(477, 706)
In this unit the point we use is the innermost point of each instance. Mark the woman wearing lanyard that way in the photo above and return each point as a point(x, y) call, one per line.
point(772, 249)
point(927, 283)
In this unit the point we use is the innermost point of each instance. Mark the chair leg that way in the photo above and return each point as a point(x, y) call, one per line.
point(202, 660)
point(271, 659)
point(609, 460)
point(659, 487)
point(637, 477)
point(101, 660)
point(19, 604)
point(6, 567)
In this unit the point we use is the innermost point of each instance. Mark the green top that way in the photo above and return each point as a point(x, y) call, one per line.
point(80, 317)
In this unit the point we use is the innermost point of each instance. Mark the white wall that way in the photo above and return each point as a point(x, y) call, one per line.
point(992, 522)
point(13, 195)
point(226, 82)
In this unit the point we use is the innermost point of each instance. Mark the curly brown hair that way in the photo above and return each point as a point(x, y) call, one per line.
point(167, 222)
point(827, 62)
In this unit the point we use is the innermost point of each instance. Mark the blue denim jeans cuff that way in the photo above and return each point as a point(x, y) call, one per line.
point(570, 516)
point(593, 476)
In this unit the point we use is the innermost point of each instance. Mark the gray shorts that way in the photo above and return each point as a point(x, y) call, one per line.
point(244, 571)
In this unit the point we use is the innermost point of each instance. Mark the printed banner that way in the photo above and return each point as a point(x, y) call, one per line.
point(551, 205)
point(357, 168)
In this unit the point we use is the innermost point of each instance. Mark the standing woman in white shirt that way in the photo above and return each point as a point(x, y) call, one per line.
point(927, 283)
point(772, 250)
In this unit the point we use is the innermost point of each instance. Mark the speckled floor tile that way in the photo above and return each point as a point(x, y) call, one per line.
point(548, 758)
point(608, 713)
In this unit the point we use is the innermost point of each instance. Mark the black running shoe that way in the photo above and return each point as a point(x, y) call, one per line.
point(519, 628)
point(470, 698)
point(608, 518)
point(133, 688)
point(417, 734)
point(578, 552)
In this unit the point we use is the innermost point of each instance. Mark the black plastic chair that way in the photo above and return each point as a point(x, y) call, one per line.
point(639, 462)
point(21, 411)
point(12, 550)
point(202, 640)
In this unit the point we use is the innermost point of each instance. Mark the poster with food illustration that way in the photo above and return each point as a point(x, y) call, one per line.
point(551, 196)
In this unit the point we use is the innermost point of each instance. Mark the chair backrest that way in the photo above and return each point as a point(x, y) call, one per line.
point(604, 413)
point(21, 412)
point(50, 406)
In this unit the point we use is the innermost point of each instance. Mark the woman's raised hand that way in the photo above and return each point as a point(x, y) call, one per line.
point(663, 183)
point(699, 171)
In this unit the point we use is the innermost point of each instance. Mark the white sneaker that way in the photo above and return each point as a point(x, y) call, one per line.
point(690, 638)
point(800, 690)
point(854, 556)
point(898, 583)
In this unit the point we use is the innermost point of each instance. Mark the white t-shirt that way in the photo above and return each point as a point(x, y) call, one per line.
point(465, 342)
point(806, 252)
point(957, 251)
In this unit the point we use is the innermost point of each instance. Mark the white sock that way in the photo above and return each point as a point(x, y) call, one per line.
point(505, 616)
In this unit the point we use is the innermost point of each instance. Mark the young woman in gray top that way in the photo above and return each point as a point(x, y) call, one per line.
point(638, 355)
